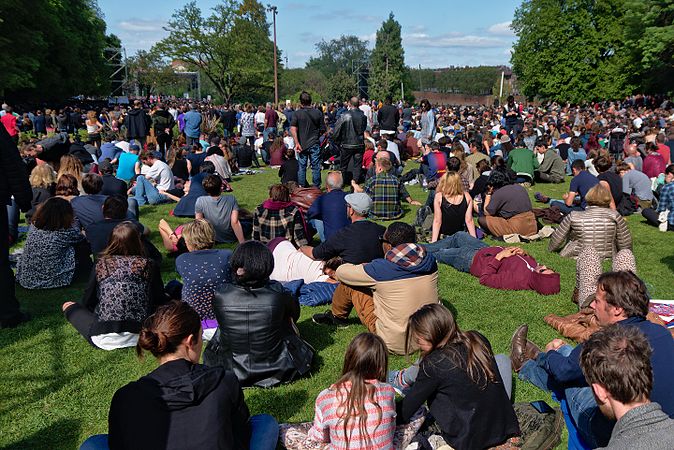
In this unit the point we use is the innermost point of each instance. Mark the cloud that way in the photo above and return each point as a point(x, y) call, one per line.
point(501, 29)
point(452, 40)
point(141, 25)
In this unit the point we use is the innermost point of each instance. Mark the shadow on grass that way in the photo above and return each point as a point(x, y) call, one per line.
point(61, 434)
point(282, 405)
point(451, 308)
point(319, 337)
point(669, 262)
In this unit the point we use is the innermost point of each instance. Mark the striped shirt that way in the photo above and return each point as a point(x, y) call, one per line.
point(329, 428)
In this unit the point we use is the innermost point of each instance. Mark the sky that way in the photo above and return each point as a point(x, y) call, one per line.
point(435, 33)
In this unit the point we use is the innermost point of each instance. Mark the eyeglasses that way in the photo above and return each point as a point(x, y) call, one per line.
point(383, 240)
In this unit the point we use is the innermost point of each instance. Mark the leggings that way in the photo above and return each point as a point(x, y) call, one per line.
point(588, 270)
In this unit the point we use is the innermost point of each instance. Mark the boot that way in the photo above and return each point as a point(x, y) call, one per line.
point(522, 349)
point(578, 326)
point(574, 297)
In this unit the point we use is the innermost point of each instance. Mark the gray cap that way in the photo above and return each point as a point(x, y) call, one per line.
point(359, 202)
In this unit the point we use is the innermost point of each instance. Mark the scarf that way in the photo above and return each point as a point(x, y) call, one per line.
point(276, 205)
point(406, 255)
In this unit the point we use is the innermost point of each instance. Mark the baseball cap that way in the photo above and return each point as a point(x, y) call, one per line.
point(359, 201)
point(505, 138)
point(134, 147)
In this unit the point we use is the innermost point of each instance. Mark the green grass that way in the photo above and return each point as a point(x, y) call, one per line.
point(55, 389)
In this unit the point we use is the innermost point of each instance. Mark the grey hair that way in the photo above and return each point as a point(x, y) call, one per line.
point(334, 180)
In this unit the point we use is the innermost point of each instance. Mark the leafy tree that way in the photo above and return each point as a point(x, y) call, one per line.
point(649, 37)
point(571, 50)
point(387, 61)
point(342, 86)
point(231, 46)
point(344, 53)
point(152, 74)
point(294, 81)
point(459, 80)
point(52, 49)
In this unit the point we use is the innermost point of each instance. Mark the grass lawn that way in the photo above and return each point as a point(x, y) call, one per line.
point(55, 389)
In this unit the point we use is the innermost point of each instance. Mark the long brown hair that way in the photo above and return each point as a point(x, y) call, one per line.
point(435, 323)
point(53, 215)
point(124, 240)
point(366, 358)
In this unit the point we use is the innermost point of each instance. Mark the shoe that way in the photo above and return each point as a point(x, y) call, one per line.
point(327, 318)
point(579, 326)
point(15, 320)
point(395, 379)
point(541, 198)
point(522, 349)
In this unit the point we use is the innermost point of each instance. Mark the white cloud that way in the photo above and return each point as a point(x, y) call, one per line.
point(452, 40)
point(501, 29)
point(141, 26)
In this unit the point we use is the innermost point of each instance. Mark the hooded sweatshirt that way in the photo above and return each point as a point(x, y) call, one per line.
point(402, 282)
point(180, 405)
point(515, 273)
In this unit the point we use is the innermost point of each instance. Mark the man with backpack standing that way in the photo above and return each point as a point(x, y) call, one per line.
point(307, 126)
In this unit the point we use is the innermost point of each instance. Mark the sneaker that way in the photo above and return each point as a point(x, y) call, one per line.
point(395, 379)
point(327, 318)
point(541, 198)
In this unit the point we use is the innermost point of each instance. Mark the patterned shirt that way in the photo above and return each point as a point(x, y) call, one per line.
point(380, 424)
point(285, 222)
point(667, 201)
point(386, 192)
point(203, 271)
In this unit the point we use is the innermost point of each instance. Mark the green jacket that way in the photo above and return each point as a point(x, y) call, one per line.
point(523, 160)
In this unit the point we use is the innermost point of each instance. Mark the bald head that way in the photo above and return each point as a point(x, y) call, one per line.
point(334, 181)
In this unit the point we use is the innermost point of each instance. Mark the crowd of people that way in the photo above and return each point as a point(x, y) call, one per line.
point(83, 178)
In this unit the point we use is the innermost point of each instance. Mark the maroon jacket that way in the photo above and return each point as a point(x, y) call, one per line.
point(513, 273)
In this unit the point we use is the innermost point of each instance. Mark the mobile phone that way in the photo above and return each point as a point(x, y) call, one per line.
point(542, 407)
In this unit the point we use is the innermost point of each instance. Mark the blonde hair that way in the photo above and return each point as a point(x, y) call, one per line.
point(91, 116)
point(598, 196)
point(70, 165)
point(199, 234)
point(450, 184)
point(42, 176)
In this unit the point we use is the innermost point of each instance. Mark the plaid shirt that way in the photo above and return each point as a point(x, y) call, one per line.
point(386, 192)
point(286, 222)
point(666, 201)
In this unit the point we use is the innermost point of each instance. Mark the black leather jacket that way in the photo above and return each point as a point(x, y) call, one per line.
point(256, 337)
point(350, 129)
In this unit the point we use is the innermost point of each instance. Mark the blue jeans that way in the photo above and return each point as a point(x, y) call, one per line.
point(563, 208)
point(406, 125)
point(313, 154)
point(267, 132)
point(456, 250)
point(263, 427)
point(320, 229)
point(145, 193)
point(592, 425)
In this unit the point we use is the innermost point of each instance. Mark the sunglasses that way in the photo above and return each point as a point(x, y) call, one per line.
point(383, 240)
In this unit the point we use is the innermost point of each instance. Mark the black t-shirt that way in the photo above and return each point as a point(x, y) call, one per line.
point(289, 171)
point(357, 243)
point(113, 186)
point(244, 156)
point(615, 183)
point(564, 151)
point(388, 117)
point(229, 120)
point(196, 159)
point(310, 126)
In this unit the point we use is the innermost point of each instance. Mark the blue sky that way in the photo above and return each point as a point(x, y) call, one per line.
point(435, 33)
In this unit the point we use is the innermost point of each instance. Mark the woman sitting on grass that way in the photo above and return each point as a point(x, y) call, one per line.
point(256, 336)
point(452, 208)
point(66, 187)
point(459, 378)
point(358, 411)
point(55, 252)
point(181, 404)
point(124, 289)
point(43, 182)
point(279, 217)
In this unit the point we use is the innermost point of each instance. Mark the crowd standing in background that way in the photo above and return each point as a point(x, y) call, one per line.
point(84, 173)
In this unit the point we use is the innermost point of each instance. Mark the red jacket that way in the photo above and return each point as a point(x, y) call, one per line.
point(654, 165)
point(513, 273)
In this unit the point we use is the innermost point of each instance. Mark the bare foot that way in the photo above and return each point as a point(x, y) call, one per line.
point(67, 305)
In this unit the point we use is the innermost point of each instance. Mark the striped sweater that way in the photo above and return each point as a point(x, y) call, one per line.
point(329, 428)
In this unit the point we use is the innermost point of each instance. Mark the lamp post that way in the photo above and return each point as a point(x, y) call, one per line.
point(274, 11)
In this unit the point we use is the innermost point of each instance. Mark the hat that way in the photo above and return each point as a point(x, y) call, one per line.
point(359, 202)
point(135, 147)
point(387, 132)
point(505, 138)
point(105, 166)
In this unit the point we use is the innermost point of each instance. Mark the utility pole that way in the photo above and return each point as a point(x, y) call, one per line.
point(274, 11)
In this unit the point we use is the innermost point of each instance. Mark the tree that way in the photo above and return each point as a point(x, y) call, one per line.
point(342, 86)
point(151, 74)
point(345, 53)
point(649, 38)
point(387, 62)
point(52, 49)
point(294, 81)
point(571, 50)
point(231, 46)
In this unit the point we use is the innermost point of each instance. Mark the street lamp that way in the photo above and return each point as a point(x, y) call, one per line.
point(274, 11)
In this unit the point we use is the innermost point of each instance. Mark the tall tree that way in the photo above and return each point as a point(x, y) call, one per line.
point(388, 61)
point(231, 46)
point(294, 81)
point(345, 53)
point(151, 74)
point(342, 86)
point(571, 50)
point(649, 37)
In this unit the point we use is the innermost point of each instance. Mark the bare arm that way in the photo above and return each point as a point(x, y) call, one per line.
point(437, 217)
point(293, 132)
point(470, 224)
point(236, 227)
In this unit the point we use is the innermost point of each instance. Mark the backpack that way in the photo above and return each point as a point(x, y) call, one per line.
point(616, 143)
point(423, 223)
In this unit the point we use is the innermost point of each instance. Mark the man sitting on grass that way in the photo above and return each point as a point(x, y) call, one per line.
point(221, 211)
point(386, 192)
point(386, 291)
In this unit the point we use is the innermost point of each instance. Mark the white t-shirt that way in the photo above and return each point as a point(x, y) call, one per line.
point(289, 142)
point(291, 264)
point(123, 145)
point(258, 143)
point(393, 148)
point(113, 341)
point(367, 110)
point(259, 117)
point(161, 173)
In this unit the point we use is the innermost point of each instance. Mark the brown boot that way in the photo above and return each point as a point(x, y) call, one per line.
point(522, 349)
point(578, 326)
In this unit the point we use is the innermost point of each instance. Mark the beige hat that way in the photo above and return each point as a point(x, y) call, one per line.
point(505, 138)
